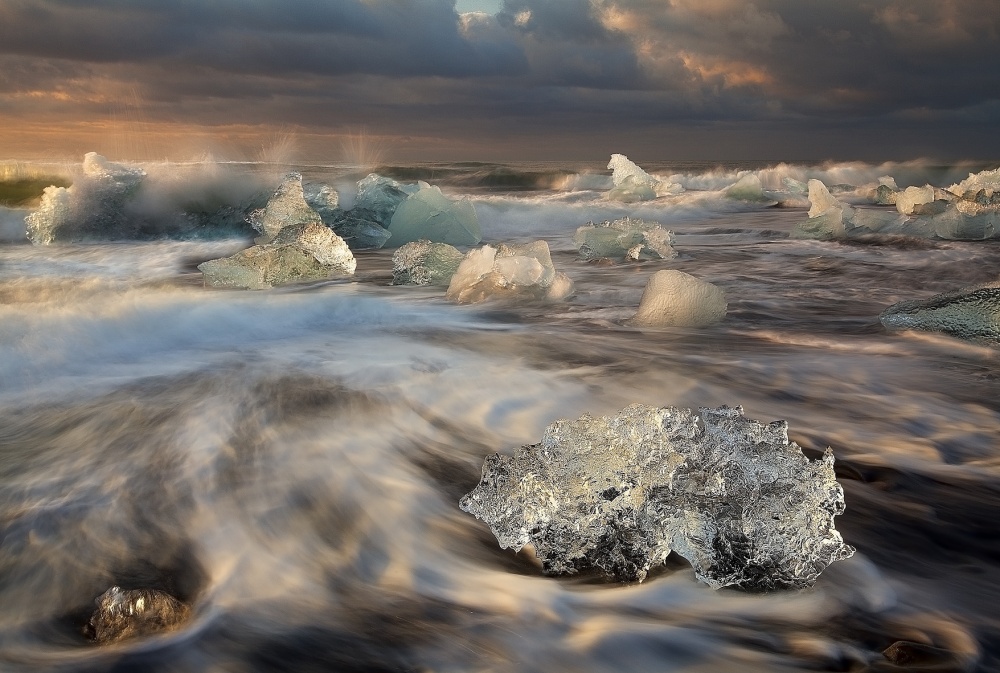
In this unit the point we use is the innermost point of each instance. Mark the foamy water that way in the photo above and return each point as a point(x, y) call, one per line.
point(289, 461)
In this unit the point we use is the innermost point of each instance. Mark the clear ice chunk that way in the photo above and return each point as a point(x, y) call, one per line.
point(748, 188)
point(123, 614)
point(508, 272)
point(986, 181)
point(299, 253)
point(972, 313)
point(429, 214)
point(618, 494)
point(620, 238)
point(676, 299)
point(425, 263)
point(381, 196)
point(322, 198)
point(360, 228)
point(884, 195)
point(631, 183)
point(286, 207)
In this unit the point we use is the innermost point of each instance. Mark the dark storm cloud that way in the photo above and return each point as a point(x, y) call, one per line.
point(561, 68)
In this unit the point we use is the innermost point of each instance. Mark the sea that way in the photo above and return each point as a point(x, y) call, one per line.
point(289, 462)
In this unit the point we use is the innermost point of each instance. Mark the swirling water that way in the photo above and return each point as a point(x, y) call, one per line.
point(289, 461)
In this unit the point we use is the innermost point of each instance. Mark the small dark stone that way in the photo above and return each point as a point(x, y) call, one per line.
point(908, 653)
point(123, 614)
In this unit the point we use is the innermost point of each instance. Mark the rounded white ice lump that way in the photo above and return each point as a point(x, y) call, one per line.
point(675, 298)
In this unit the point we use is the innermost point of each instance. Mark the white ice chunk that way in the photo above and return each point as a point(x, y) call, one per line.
point(988, 181)
point(888, 181)
point(287, 207)
point(911, 197)
point(508, 272)
point(429, 214)
point(631, 183)
point(674, 298)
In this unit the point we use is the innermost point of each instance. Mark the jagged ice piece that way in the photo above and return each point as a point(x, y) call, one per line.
point(911, 197)
point(971, 313)
point(619, 493)
point(748, 188)
point(286, 207)
point(631, 183)
point(425, 263)
point(381, 196)
point(618, 238)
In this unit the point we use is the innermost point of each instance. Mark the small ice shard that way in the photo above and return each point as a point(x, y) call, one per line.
point(322, 198)
point(821, 200)
point(429, 214)
point(631, 183)
point(360, 228)
point(748, 188)
point(793, 186)
point(972, 313)
point(911, 197)
point(508, 272)
point(132, 613)
point(676, 299)
point(304, 252)
point(731, 495)
point(884, 195)
point(425, 263)
point(287, 207)
point(619, 238)
point(888, 181)
point(381, 196)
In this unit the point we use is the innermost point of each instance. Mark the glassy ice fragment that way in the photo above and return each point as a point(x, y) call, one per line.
point(971, 313)
point(619, 493)
point(321, 242)
point(360, 228)
point(508, 272)
point(286, 207)
point(884, 195)
point(425, 263)
point(617, 238)
point(381, 196)
point(429, 214)
point(631, 183)
point(123, 614)
point(748, 188)
point(676, 299)
point(322, 198)
point(986, 181)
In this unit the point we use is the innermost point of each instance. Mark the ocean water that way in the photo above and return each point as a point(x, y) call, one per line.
point(289, 462)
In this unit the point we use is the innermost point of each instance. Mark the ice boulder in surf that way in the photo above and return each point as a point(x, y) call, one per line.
point(987, 182)
point(748, 188)
point(425, 263)
point(94, 206)
point(908, 200)
point(631, 183)
point(676, 299)
point(627, 238)
point(429, 214)
point(310, 251)
point(132, 613)
point(379, 196)
point(830, 218)
point(359, 227)
point(322, 198)
point(509, 272)
point(287, 207)
point(619, 493)
point(972, 313)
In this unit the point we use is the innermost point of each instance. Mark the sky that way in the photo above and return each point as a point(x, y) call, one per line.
point(429, 80)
